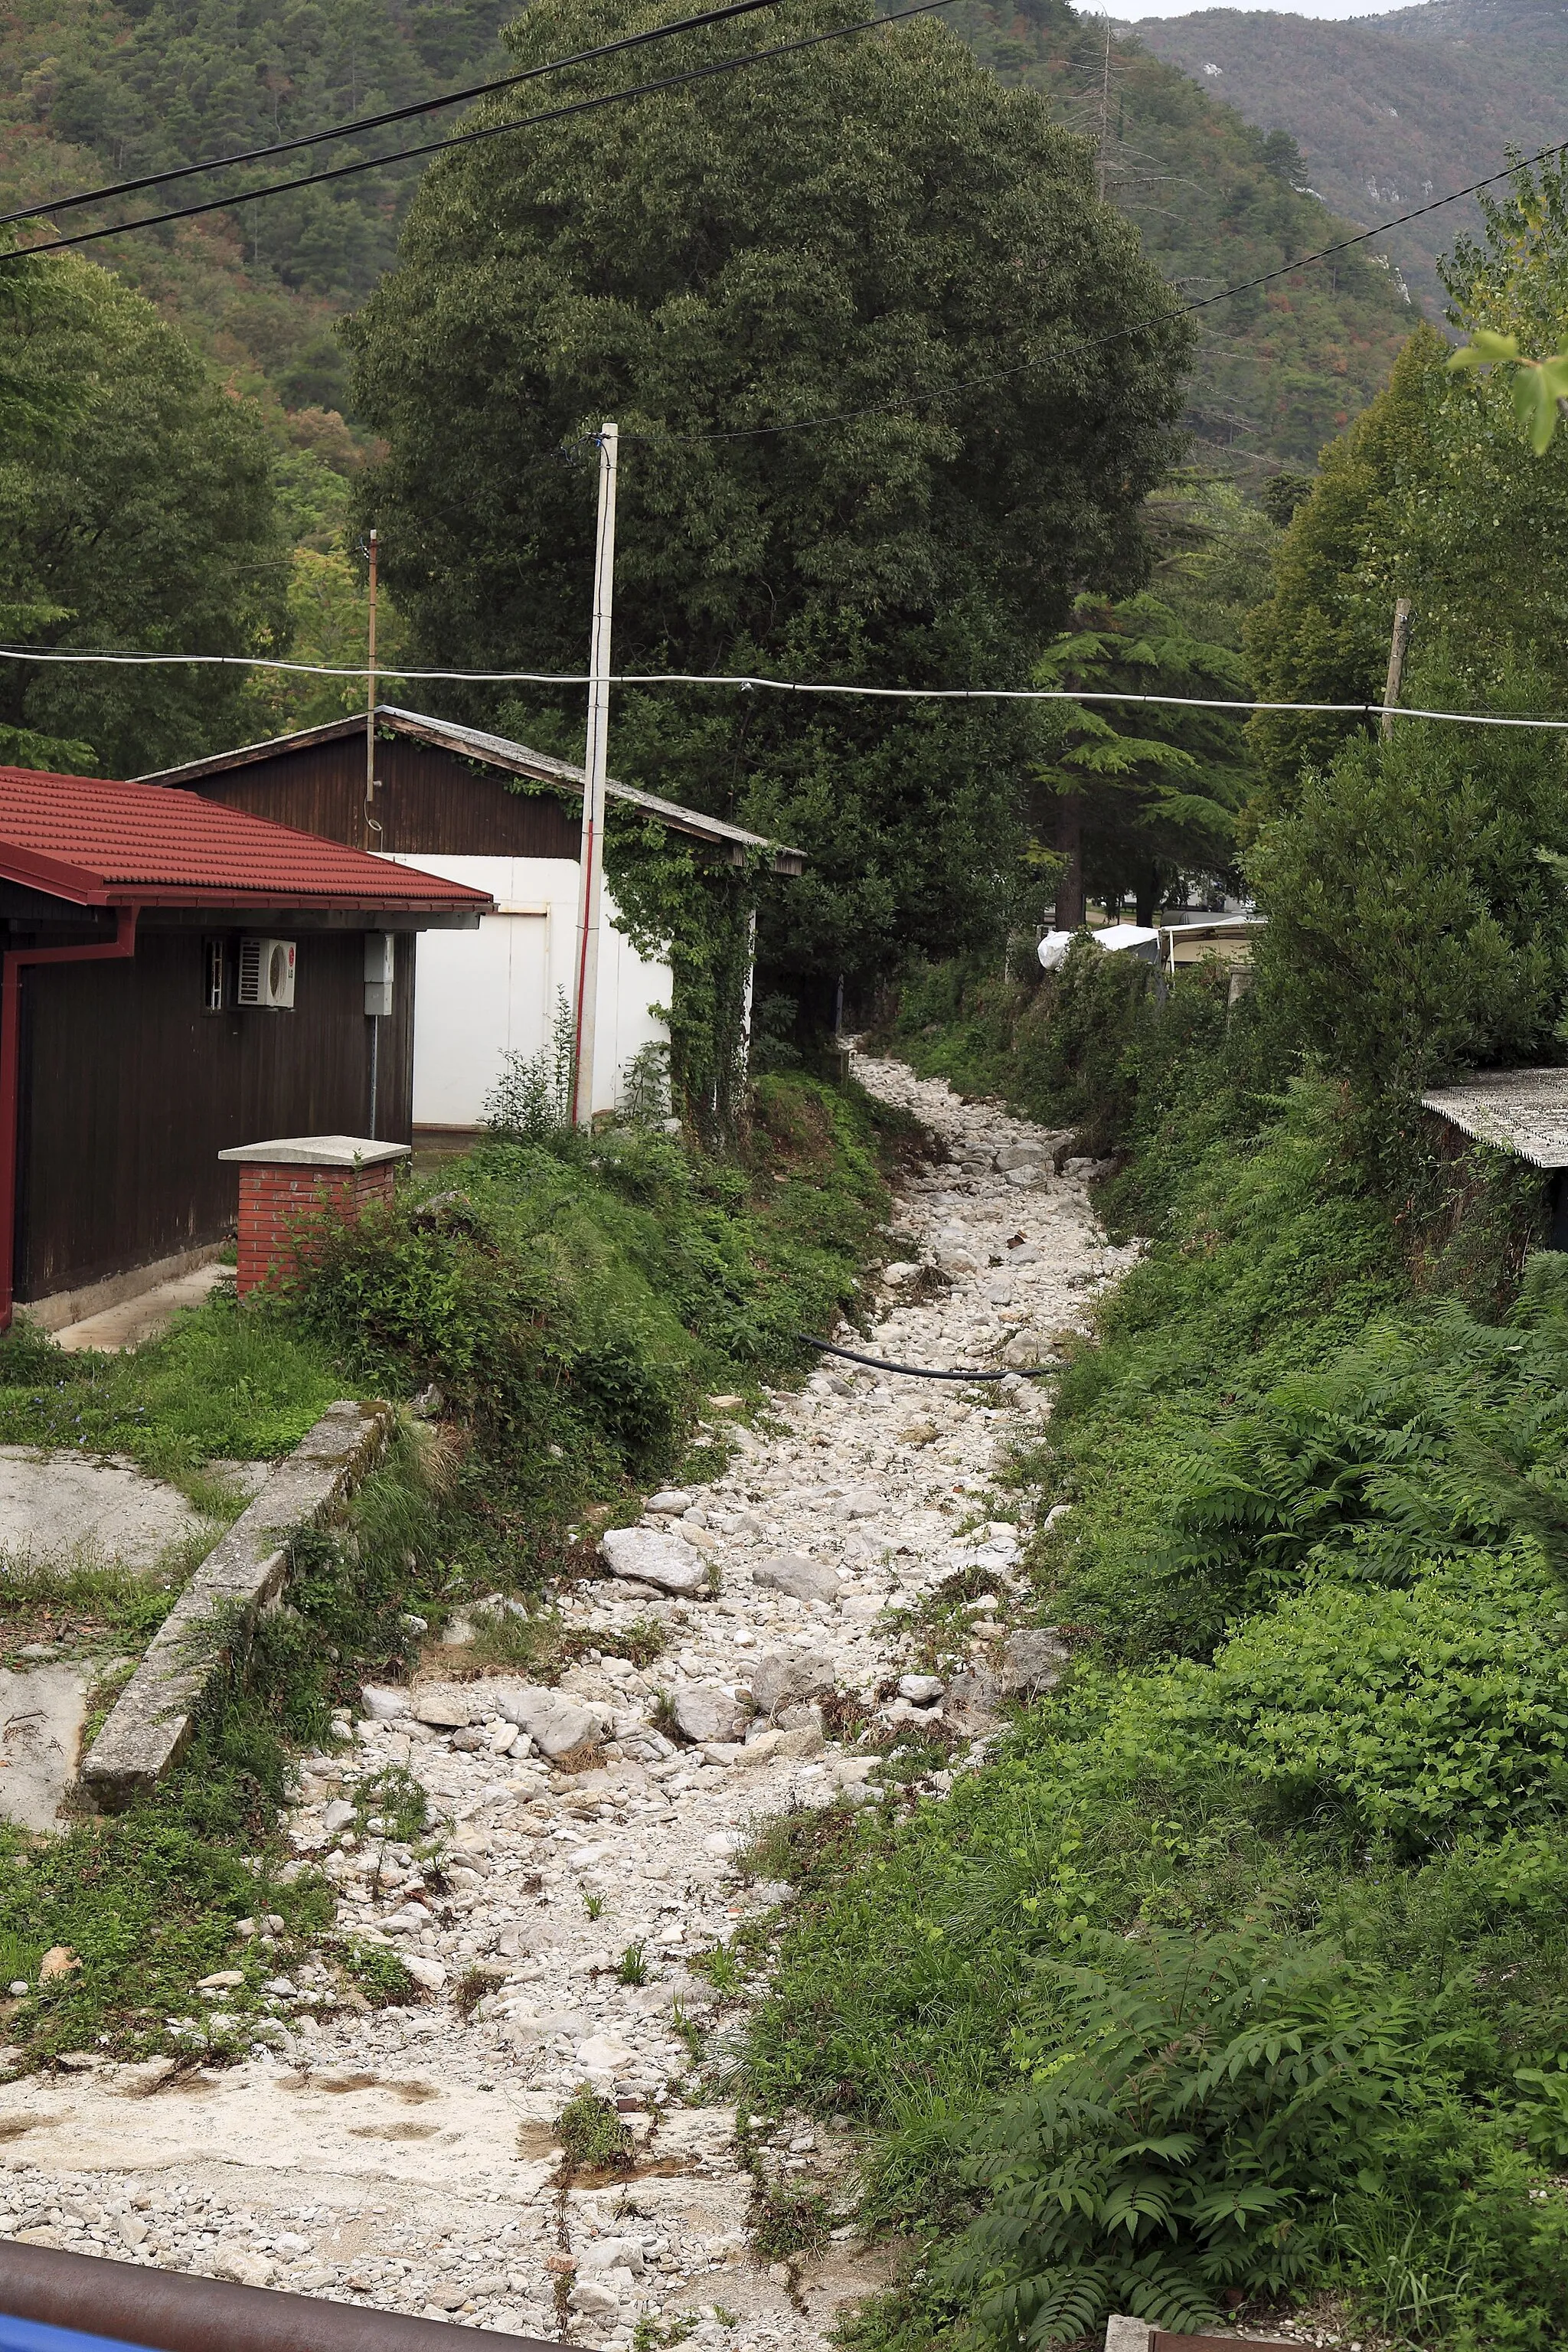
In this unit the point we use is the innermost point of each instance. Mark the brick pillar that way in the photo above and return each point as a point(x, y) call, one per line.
point(286, 1186)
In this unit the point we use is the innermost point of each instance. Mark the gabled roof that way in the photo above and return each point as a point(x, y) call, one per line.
point(1523, 1112)
point(492, 751)
point(99, 844)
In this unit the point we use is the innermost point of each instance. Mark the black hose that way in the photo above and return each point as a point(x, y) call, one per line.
point(923, 1372)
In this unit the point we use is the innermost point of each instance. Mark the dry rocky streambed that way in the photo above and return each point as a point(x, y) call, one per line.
point(407, 2157)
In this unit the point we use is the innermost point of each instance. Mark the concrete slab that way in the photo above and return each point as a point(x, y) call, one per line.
point(57, 1508)
point(150, 1724)
point(41, 1716)
point(144, 1317)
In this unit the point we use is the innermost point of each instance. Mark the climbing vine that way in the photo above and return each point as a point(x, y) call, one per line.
point(673, 902)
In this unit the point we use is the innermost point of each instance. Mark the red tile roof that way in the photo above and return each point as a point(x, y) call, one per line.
point(105, 845)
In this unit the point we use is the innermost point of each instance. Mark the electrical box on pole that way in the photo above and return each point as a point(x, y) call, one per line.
point(591, 879)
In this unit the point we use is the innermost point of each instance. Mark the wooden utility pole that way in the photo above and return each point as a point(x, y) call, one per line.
point(1398, 647)
point(372, 830)
point(590, 878)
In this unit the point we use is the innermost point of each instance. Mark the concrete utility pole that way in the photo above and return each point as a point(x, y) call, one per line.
point(1404, 611)
point(1104, 111)
point(590, 879)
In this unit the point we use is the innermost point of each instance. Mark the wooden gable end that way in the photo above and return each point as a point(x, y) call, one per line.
point(431, 802)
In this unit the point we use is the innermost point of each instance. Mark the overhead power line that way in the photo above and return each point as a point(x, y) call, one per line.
point(903, 400)
point(355, 128)
point(768, 685)
point(471, 138)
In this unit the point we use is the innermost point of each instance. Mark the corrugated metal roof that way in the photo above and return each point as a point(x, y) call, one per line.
point(495, 751)
point(1522, 1111)
point(103, 843)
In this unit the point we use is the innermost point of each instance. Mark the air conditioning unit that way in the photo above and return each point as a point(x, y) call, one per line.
point(266, 973)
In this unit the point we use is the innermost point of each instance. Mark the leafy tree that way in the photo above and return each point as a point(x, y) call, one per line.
point(1414, 929)
point(1141, 795)
point(328, 620)
point(1324, 635)
point(145, 518)
point(872, 230)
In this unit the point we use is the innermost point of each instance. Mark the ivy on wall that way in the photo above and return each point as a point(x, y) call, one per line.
point(674, 902)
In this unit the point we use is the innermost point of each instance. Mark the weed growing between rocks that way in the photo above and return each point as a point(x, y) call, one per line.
point(381, 1976)
point(786, 2222)
point(593, 2133)
point(391, 1804)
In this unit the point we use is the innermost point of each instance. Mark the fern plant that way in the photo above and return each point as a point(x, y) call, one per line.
point(1193, 2107)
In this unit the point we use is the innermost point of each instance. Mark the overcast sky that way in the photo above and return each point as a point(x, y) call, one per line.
point(1133, 8)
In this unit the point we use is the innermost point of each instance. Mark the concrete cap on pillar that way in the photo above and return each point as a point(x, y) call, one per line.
point(317, 1151)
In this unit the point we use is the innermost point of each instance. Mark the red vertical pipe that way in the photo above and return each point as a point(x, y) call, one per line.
point(102, 951)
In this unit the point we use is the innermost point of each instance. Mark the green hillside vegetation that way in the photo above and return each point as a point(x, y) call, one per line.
point(91, 92)
point(99, 90)
point(1278, 371)
point(1389, 112)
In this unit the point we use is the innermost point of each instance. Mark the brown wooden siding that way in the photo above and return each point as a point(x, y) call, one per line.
point(429, 801)
point(129, 1090)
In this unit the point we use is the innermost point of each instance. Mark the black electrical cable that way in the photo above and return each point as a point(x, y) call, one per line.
point(469, 137)
point(923, 1372)
point(352, 130)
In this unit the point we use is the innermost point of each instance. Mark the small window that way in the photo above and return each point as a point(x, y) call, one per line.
point(215, 964)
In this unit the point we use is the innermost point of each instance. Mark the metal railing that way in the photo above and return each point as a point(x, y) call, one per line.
point(54, 2302)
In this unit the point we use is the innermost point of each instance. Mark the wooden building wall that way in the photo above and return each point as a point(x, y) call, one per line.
point(429, 801)
point(131, 1088)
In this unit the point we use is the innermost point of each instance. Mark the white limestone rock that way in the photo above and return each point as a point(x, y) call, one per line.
point(653, 1555)
point(793, 1572)
point(705, 1711)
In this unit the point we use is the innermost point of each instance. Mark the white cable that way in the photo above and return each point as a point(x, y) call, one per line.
point(792, 686)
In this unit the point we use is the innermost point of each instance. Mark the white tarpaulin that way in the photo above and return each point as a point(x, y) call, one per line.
point(1115, 939)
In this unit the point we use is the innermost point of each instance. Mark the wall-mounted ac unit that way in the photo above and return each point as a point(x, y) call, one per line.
point(266, 973)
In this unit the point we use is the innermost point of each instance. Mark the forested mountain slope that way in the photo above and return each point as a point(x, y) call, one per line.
point(92, 91)
point(92, 88)
point(1389, 111)
point(1280, 370)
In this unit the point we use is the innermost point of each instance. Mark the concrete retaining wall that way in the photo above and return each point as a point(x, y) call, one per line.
point(150, 1725)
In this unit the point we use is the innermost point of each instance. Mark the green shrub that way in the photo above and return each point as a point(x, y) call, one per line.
point(1413, 1712)
point(1194, 2102)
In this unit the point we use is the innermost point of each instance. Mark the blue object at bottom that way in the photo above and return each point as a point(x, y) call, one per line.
point(36, 2335)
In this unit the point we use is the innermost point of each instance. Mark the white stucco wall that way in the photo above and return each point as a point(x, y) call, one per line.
point(480, 995)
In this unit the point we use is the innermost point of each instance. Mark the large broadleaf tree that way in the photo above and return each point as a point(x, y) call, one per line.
point(891, 384)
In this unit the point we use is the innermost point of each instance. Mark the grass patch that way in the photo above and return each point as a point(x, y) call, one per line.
point(786, 2224)
point(84, 1607)
point(593, 2133)
point(222, 1383)
point(381, 1977)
